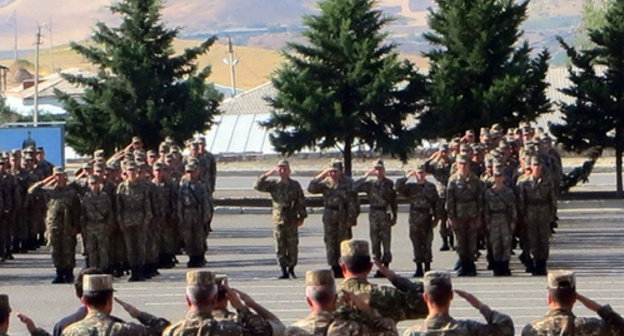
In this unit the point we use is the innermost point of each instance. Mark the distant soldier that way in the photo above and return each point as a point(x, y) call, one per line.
point(97, 220)
point(404, 301)
point(383, 210)
point(439, 165)
point(537, 208)
point(8, 196)
point(561, 320)
point(209, 174)
point(464, 199)
point(152, 251)
point(289, 212)
point(438, 296)
point(44, 167)
point(26, 216)
point(500, 217)
point(194, 215)
point(62, 222)
point(355, 318)
point(133, 215)
point(165, 200)
point(425, 209)
point(341, 210)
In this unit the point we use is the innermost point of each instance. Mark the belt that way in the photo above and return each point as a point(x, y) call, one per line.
point(380, 208)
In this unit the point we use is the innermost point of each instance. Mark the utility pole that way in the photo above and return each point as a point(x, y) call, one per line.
point(231, 61)
point(51, 45)
point(36, 97)
point(13, 20)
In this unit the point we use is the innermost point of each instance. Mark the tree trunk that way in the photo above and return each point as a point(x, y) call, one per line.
point(618, 166)
point(347, 156)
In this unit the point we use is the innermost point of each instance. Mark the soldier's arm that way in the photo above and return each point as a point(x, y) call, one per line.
point(438, 205)
point(361, 185)
point(497, 323)
point(263, 184)
point(486, 212)
point(392, 199)
point(119, 204)
point(300, 203)
point(316, 186)
point(151, 325)
point(528, 330)
point(30, 325)
point(405, 301)
point(213, 174)
point(401, 186)
point(514, 212)
point(36, 187)
point(450, 200)
point(264, 323)
point(611, 322)
point(147, 206)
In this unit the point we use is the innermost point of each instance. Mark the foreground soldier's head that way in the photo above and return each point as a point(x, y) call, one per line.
point(97, 292)
point(284, 169)
point(561, 289)
point(5, 312)
point(321, 290)
point(355, 259)
point(201, 291)
point(438, 290)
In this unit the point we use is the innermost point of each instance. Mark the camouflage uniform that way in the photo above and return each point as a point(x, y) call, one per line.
point(97, 219)
point(425, 209)
point(444, 325)
point(154, 228)
point(255, 324)
point(24, 209)
point(97, 323)
point(383, 213)
point(165, 200)
point(341, 210)
point(344, 322)
point(194, 216)
point(7, 202)
point(441, 171)
point(500, 217)
point(133, 215)
point(288, 209)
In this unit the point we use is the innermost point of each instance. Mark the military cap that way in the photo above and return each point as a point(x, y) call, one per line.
point(39, 150)
point(484, 130)
point(477, 147)
point(444, 147)
point(92, 179)
point(352, 248)
point(100, 166)
point(495, 153)
point(511, 131)
point(463, 159)
point(320, 278)
point(455, 141)
point(175, 149)
point(283, 163)
point(527, 129)
point(136, 139)
point(494, 134)
point(464, 147)
point(489, 162)
point(498, 171)
point(2, 159)
point(169, 139)
point(152, 153)
point(379, 164)
point(163, 148)
point(200, 279)
point(190, 167)
point(201, 140)
point(15, 152)
point(98, 153)
point(335, 165)
point(29, 149)
point(4, 303)
point(168, 156)
point(561, 279)
point(114, 165)
point(130, 165)
point(196, 141)
point(28, 157)
point(437, 278)
point(97, 282)
point(496, 127)
point(58, 170)
point(139, 153)
point(546, 138)
point(537, 139)
point(5, 155)
point(534, 160)
point(158, 165)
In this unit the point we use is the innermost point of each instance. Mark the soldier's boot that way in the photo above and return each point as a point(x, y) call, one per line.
point(137, 274)
point(522, 258)
point(42, 240)
point(69, 275)
point(445, 246)
point(530, 266)
point(419, 270)
point(472, 268)
point(491, 264)
point(458, 265)
point(496, 268)
point(452, 241)
point(540, 267)
point(59, 276)
point(117, 270)
point(147, 271)
point(427, 266)
point(505, 268)
point(337, 272)
point(462, 268)
point(291, 271)
point(154, 269)
point(284, 273)
point(9, 255)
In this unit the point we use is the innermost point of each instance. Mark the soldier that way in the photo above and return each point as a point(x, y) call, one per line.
point(383, 210)
point(537, 208)
point(44, 167)
point(97, 221)
point(201, 294)
point(289, 212)
point(464, 196)
point(152, 251)
point(560, 320)
point(209, 175)
point(439, 165)
point(5, 313)
point(165, 201)
point(62, 222)
point(325, 320)
point(425, 209)
point(133, 215)
point(98, 298)
point(26, 208)
point(500, 217)
point(438, 296)
point(194, 215)
point(7, 198)
point(341, 210)
point(402, 302)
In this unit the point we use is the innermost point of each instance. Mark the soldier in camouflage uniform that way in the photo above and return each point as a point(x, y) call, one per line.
point(165, 202)
point(97, 221)
point(5, 314)
point(194, 215)
point(464, 198)
point(152, 251)
point(98, 298)
point(356, 318)
point(438, 295)
point(209, 174)
point(201, 293)
point(134, 213)
point(62, 222)
point(7, 199)
point(289, 213)
point(341, 210)
point(439, 165)
point(404, 301)
point(43, 169)
point(562, 321)
point(26, 208)
point(383, 210)
point(537, 208)
point(425, 209)
point(500, 217)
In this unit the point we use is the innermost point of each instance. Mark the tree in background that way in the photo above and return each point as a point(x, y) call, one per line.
point(6, 114)
point(142, 87)
point(479, 74)
point(345, 86)
point(593, 17)
point(596, 118)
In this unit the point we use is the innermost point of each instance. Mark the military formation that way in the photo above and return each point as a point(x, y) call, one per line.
point(351, 308)
point(133, 211)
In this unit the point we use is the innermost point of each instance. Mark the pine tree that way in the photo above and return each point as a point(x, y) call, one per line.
point(345, 86)
point(142, 87)
point(480, 74)
point(596, 117)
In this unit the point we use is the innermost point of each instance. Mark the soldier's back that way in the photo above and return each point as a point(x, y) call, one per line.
point(197, 324)
point(99, 324)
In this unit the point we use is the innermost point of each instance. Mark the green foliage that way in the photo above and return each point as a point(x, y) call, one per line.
point(142, 87)
point(345, 86)
point(596, 118)
point(594, 12)
point(6, 114)
point(480, 74)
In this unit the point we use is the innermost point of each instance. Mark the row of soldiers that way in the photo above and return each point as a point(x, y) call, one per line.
point(134, 211)
point(354, 307)
point(487, 192)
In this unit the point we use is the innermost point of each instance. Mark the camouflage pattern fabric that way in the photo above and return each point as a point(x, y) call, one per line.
point(444, 325)
point(97, 219)
point(133, 214)
point(100, 324)
point(200, 324)
point(560, 322)
point(500, 216)
point(537, 208)
point(194, 215)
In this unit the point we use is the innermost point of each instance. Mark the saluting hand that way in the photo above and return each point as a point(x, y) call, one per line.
point(132, 311)
point(30, 325)
point(470, 298)
point(589, 303)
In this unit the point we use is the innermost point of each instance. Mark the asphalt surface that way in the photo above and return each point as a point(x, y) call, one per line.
point(589, 240)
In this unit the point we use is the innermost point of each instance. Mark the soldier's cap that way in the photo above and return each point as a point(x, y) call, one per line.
point(444, 147)
point(100, 166)
point(477, 147)
point(463, 158)
point(158, 165)
point(527, 129)
point(489, 162)
point(201, 140)
point(15, 152)
point(174, 149)
point(495, 134)
point(151, 153)
point(322, 277)
point(561, 279)
point(169, 156)
point(98, 153)
point(97, 283)
point(169, 139)
point(58, 170)
point(136, 139)
point(29, 149)
point(39, 150)
point(335, 165)
point(93, 179)
point(28, 157)
point(537, 139)
point(283, 163)
point(379, 165)
point(437, 279)
point(498, 171)
point(464, 147)
point(511, 131)
point(196, 141)
point(200, 279)
point(114, 165)
point(4, 303)
point(2, 159)
point(190, 167)
point(455, 141)
point(546, 138)
point(470, 132)
point(130, 165)
point(163, 148)
point(354, 248)
point(497, 127)
point(534, 160)
point(503, 145)
point(484, 130)
point(486, 135)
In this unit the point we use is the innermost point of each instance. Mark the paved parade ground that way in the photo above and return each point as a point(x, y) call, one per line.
point(590, 240)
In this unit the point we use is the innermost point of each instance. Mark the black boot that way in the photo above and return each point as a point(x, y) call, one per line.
point(496, 268)
point(463, 268)
point(427, 267)
point(192, 263)
point(117, 271)
point(505, 268)
point(137, 274)
point(530, 265)
point(458, 265)
point(445, 246)
point(491, 264)
point(154, 269)
point(337, 272)
point(452, 241)
point(147, 271)
point(419, 270)
point(540, 267)
point(291, 271)
point(472, 268)
point(284, 273)
point(69, 275)
point(59, 276)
